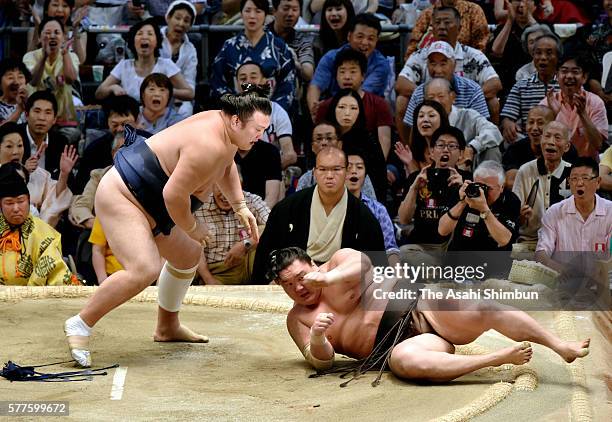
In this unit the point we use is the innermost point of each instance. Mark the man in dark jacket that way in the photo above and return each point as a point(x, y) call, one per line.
point(321, 219)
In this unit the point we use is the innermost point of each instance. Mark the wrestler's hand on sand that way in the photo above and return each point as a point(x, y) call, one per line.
point(322, 322)
point(249, 221)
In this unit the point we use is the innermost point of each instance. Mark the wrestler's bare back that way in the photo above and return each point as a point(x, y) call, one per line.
point(203, 140)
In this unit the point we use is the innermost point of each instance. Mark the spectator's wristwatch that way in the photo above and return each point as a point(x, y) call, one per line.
point(248, 243)
point(485, 214)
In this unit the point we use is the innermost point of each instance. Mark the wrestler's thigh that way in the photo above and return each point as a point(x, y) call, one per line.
point(459, 322)
point(410, 351)
point(179, 249)
point(127, 230)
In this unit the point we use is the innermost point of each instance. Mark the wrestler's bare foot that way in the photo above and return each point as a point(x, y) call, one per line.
point(570, 350)
point(178, 333)
point(518, 354)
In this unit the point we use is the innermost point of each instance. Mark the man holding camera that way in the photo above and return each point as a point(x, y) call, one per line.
point(486, 216)
point(431, 192)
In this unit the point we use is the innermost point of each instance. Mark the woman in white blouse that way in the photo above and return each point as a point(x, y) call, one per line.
point(177, 47)
point(144, 40)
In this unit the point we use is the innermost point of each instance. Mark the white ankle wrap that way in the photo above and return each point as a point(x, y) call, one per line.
point(172, 286)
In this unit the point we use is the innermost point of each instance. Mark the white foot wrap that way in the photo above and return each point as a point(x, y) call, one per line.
point(172, 286)
point(77, 333)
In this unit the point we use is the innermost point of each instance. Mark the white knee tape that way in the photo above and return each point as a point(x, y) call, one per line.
point(172, 286)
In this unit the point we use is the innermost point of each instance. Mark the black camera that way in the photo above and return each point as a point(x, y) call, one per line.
point(437, 179)
point(472, 190)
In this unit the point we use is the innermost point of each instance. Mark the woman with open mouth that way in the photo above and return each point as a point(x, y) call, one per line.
point(75, 35)
point(336, 17)
point(144, 40)
point(255, 44)
point(176, 46)
point(428, 116)
point(55, 68)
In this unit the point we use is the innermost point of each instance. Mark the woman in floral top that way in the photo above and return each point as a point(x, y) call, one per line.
point(258, 45)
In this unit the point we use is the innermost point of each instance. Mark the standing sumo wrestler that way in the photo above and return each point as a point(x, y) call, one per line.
point(145, 205)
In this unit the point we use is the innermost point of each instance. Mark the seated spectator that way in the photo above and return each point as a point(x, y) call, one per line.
point(469, 63)
point(159, 8)
point(326, 134)
point(53, 67)
point(321, 219)
point(14, 77)
point(156, 111)
point(97, 152)
point(363, 36)
point(355, 179)
point(50, 197)
point(346, 110)
point(474, 28)
point(145, 42)
point(486, 222)
point(583, 112)
point(261, 171)
point(605, 170)
point(82, 213)
point(506, 50)
point(256, 44)
point(336, 18)
point(530, 34)
point(30, 249)
point(316, 8)
point(351, 68)
point(76, 37)
point(441, 64)
point(280, 131)
point(562, 11)
point(433, 190)
point(230, 256)
point(102, 258)
point(427, 118)
point(483, 137)
point(286, 14)
point(40, 141)
point(543, 182)
point(527, 93)
point(582, 222)
point(176, 46)
point(596, 40)
point(528, 147)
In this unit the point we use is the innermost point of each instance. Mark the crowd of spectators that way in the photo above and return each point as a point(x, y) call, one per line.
point(491, 132)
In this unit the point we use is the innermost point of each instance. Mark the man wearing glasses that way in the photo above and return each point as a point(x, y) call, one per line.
point(321, 219)
point(582, 222)
point(486, 216)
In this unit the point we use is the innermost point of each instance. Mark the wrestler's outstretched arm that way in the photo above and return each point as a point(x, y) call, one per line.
point(346, 266)
point(312, 342)
point(231, 188)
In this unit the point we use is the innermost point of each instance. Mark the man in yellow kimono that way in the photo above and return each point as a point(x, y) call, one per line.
point(30, 249)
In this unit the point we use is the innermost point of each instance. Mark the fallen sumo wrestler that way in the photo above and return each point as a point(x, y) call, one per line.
point(145, 205)
point(334, 312)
